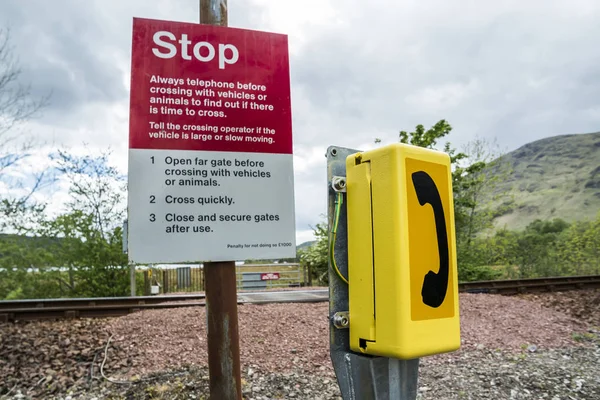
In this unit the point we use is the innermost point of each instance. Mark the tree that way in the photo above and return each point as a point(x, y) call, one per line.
point(316, 256)
point(96, 188)
point(96, 265)
point(24, 267)
point(534, 253)
point(17, 107)
point(22, 261)
point(477, 192)
point(497, 253)
point(77, 253)
point(90, 228)
point(578, 253)
point(542, 249)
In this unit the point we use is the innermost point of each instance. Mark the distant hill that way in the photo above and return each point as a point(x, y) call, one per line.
point(305, 244)
point(33, 241)
point(556, 177)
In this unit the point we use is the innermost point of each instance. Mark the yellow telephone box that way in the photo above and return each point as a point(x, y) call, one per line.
point(403, 285)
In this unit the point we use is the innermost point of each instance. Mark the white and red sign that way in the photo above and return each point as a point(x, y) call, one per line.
point(210, 144)
point(269, 276)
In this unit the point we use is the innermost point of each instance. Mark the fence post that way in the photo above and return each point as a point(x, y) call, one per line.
point(306, 281)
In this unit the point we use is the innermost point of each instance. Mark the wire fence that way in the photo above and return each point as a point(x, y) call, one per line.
point(190, 279)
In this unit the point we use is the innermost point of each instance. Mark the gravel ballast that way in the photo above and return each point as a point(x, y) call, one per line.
point(513, 348)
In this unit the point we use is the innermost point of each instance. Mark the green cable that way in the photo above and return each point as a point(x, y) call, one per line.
point(338, 208)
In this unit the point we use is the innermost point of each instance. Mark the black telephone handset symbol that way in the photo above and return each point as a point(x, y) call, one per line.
point(435, 285)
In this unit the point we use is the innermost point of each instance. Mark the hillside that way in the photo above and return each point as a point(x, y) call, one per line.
point(305, 245)
point(556, 177)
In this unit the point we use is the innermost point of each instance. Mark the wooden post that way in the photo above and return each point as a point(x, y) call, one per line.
point(220, 286)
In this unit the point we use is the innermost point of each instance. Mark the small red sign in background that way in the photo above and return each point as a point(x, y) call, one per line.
point(269, 276)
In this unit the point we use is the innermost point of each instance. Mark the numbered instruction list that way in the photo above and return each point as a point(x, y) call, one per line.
point(213, 201)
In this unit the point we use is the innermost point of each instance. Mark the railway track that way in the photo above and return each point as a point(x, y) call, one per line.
point(37, 309)
point(533, 285)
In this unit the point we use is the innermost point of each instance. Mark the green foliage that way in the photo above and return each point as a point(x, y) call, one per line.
point(475, 261)
point(90, 229)
point(24, 271)
point(535, 253)
point(16, 294)
point(77, 253)
point(94, 260)
point(428, 138)
point(96, 188)
point(316, 256)
point(579, 251)
point(543, 249)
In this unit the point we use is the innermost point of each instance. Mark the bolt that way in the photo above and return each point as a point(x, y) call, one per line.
point(333, 152)
point(340, 320)
point(338, 183)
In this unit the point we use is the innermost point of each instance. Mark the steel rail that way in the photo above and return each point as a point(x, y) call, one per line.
point(531, 285)
point(96, 301)
point(129, 301)
point(35, 309)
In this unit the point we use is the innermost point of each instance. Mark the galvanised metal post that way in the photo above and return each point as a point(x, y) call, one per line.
point(360, 377)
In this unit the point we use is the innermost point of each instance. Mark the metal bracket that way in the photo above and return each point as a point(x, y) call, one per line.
point(359, 376)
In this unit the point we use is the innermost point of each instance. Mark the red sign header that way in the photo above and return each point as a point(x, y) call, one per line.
point(205, 87)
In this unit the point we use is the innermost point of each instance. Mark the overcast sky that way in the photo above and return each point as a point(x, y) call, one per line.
point(513, 71)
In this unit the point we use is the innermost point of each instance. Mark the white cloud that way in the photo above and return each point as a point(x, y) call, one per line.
point(512, 70)
point(443, 98)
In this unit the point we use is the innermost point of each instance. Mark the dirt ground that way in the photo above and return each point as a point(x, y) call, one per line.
point(283, 343)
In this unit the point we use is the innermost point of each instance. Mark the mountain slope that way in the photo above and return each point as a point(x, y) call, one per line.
point(305, 245)
point(556, 177)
